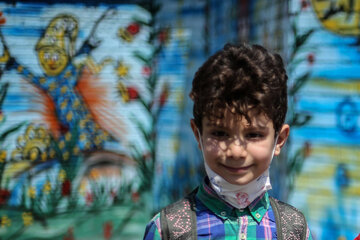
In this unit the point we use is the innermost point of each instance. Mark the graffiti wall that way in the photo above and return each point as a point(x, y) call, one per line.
point(91, 99)
point(94, 111)
point(319, 40)
point(328, 187)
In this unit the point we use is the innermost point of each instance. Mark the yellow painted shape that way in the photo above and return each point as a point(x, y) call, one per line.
point(349, 86)
point(343, 20)
point(32, 192)
point(53, 60)
point(345, 155)
point(352, 191)
point(5, 221)
point(320, 173)
point(27, 219)
point(13, 168)
point(122, 70)
point(62, 175)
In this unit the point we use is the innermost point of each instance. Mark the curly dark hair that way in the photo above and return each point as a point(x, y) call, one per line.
point(241, 78)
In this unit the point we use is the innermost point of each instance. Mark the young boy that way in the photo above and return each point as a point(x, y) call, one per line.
point(240, 104)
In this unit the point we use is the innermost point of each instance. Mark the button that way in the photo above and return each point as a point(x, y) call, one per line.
point(223, 213)
point(257, 215)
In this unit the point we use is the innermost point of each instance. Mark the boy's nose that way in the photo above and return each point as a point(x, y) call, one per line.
point(236, 149)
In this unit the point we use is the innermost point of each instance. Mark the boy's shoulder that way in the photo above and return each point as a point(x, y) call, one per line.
point(179, 218)
point(285, 208)
point(289, 219)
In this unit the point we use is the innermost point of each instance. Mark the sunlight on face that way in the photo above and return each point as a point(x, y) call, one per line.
point(53, 60)
point(237, 150)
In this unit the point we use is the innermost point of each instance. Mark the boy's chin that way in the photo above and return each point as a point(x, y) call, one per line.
point(239, 180)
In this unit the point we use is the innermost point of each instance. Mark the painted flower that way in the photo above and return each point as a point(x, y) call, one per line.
point(2, 19)
point(63, 128)
point(127, 93)
point(89, 198)
point(94, 174)
point(3, 154)
point(76, 150)
point(68, 136)
point(62, 144)
point(358, 237)
point(113, 193)
point(128, 33)
point(4, 196)
point(52, 153)
point(32, 192)
point(83, 187)
point(121, 69)
point(164, 94)
point(307, 149)
point(133, 28)
point(44, 156)
point(34, 154)
point(108, 227)
point(164, 36)
point(66, 188)
point(5, 221)
point(47, 187)
point(133, 93)
point(146, 71)
point(304, 4)
point(135, 196)
point(311, 58)
point(66, 155)
point(27, 219)
point(146, 156)
point(62, 175)
point(70, 234)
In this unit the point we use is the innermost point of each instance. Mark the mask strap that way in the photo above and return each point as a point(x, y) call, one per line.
point(201, 143)
point(273, 151)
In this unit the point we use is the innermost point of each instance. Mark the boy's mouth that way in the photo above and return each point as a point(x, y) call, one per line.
point(237, 169)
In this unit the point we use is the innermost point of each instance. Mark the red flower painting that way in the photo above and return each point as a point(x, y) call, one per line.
point(4, 196)
point(311, 58)
point(108, 227)
point(66, 188)
point(133, 93)
point(133, 28)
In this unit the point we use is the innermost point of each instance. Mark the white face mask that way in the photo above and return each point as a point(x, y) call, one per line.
point(239, 196)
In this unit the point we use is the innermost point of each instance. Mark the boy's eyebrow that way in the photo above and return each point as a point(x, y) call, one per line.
point(251, 127)
point(215, 125)
point(257, 126)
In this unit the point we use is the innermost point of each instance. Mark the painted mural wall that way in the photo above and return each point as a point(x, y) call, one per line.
point(328, 188)
point(91, 101)
point(319, 41)
point(94, 126)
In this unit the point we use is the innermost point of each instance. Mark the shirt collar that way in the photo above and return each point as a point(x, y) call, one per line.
point(257, 209)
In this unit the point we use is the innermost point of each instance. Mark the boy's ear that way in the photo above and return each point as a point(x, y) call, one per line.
point(281, 140)
point(195, 131)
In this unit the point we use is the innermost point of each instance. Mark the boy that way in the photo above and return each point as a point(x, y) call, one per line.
point(240, 104)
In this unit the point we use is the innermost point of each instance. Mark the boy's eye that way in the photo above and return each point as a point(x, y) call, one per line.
point(254, 135)
point(219, 133)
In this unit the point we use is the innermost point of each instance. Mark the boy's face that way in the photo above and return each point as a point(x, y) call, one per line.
point(237, 151)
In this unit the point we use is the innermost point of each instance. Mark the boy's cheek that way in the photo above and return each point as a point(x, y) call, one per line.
point(213, 147)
